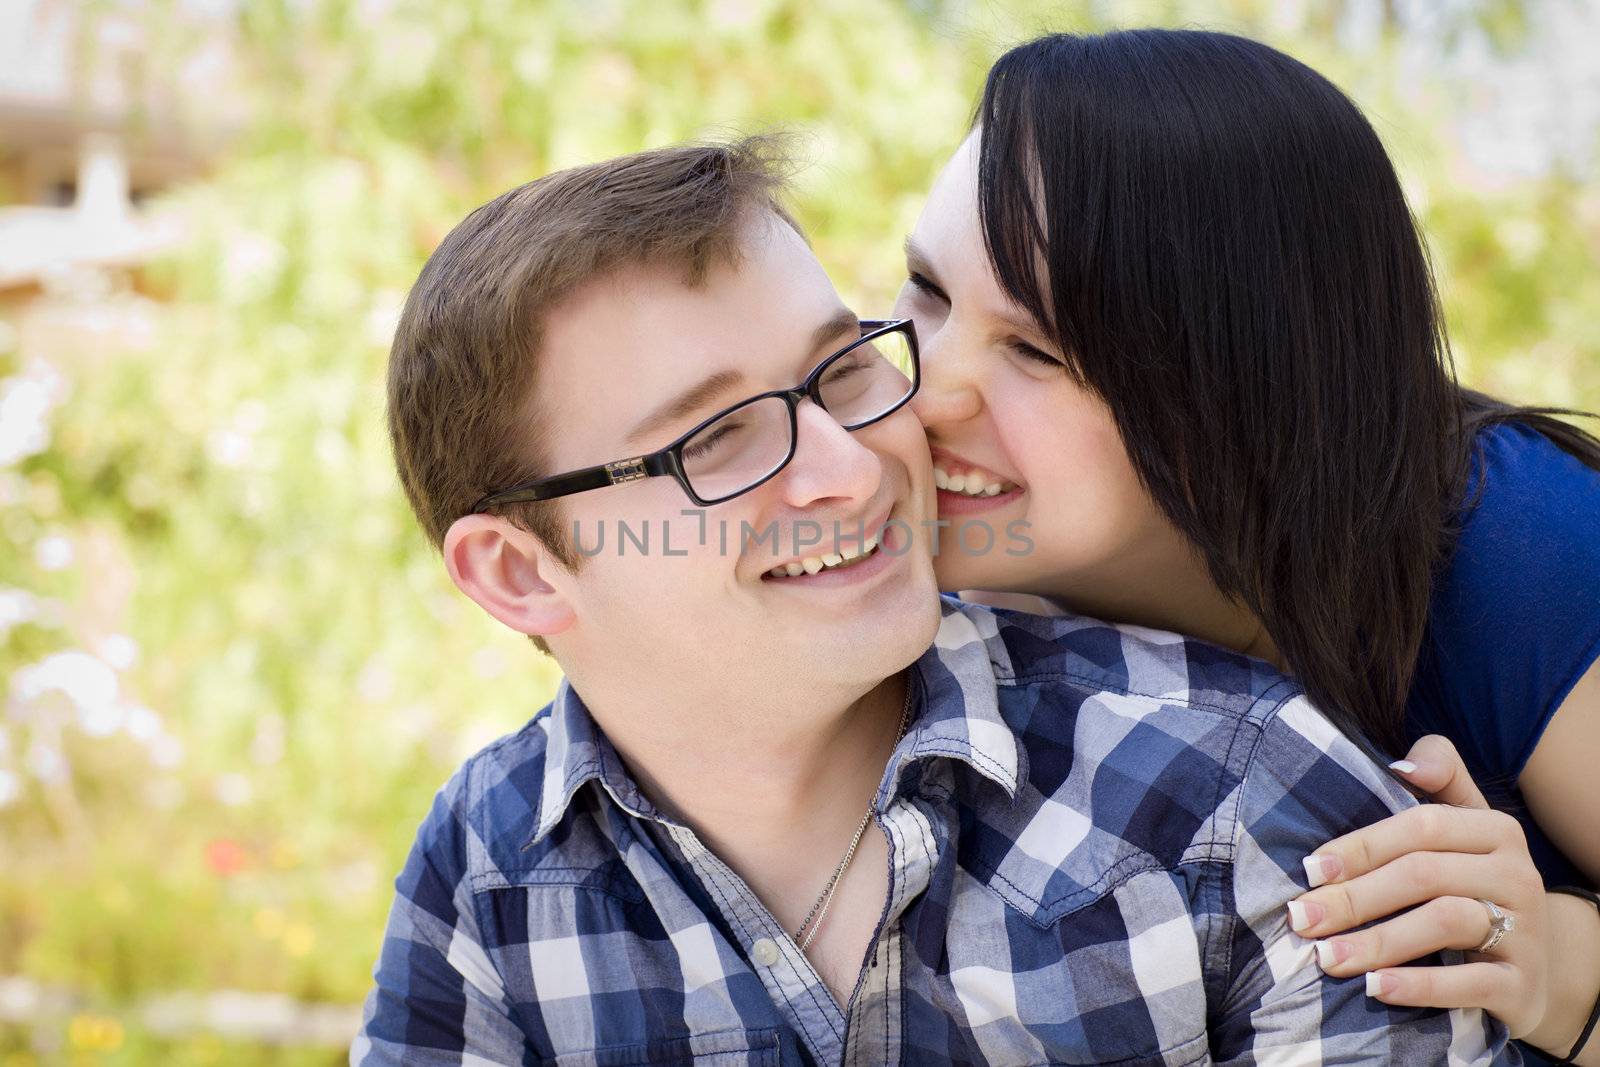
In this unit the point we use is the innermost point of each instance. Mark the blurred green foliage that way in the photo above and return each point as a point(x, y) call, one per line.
point(309, 676)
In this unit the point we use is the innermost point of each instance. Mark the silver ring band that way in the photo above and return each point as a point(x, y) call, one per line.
point(1500, 924)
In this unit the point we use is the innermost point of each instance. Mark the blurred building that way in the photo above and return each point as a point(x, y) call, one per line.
point(93, 124)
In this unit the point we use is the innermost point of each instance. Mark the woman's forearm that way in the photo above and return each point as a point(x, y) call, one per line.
point(1573, 927)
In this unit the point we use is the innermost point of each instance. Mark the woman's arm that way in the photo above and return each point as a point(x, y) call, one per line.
point(1558, 785)
point(1541, 980)
point(1558, 782)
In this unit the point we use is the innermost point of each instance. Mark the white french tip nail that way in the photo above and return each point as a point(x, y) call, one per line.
point(1315, 874)
point(1372, 984)
point(1297, 916)
point(1324, 954)
point(1404, 766)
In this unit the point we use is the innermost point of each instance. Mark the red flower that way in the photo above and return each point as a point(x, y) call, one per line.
point(225, 856)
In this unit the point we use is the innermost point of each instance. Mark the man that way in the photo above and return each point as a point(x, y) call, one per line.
point(805, 810)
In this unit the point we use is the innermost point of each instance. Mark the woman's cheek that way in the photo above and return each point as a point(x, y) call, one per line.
point(1083, 499)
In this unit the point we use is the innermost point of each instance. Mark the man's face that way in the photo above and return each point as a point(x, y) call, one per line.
point(625, 346)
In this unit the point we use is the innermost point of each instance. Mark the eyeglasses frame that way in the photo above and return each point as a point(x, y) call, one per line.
point(668, 460)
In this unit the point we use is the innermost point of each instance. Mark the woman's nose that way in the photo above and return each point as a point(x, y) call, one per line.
point(947, 392)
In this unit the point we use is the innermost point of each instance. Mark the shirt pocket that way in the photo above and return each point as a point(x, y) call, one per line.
point(724, 1048)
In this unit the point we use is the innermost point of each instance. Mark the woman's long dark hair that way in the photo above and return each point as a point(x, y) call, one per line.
point(1233, 269)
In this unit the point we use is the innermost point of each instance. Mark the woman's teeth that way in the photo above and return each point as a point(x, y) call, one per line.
point(970, 484)
point(813, 564)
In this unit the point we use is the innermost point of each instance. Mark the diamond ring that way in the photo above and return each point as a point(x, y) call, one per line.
point(1500, 924)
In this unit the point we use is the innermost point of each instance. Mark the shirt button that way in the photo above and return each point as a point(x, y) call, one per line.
point(765, 951)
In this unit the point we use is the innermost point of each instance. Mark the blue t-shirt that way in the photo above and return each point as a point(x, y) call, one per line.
point(1515, 618)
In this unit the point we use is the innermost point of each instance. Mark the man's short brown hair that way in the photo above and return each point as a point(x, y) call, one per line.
point(463, 412)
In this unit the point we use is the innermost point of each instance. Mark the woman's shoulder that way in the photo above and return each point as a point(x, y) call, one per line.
point(1515, 614)
point(1532, 511)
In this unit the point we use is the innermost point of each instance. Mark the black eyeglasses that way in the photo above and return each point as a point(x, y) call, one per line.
point(740, 447)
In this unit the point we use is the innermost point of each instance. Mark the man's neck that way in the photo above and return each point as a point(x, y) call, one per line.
point(775, 787)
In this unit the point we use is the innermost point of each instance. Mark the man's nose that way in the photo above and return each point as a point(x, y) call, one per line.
point(829, 461)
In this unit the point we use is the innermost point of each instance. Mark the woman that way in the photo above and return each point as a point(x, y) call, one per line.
point(1176, 317)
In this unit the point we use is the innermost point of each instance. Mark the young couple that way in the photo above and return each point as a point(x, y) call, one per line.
point(1166, 313)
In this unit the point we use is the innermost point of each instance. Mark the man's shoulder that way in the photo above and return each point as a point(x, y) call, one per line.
point(486, 812)
point(1148, 750)
point(1093, 656)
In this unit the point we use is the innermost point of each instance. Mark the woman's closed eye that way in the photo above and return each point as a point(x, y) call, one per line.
point(1027, 351)
point(923, 284)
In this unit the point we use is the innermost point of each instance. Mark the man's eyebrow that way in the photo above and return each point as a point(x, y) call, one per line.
point(685, 403)
point(842, 321)
point(719, 382)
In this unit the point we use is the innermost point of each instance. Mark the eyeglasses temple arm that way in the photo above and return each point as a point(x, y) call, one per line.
point(549, 488)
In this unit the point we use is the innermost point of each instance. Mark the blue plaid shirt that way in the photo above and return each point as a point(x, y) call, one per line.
point(1093, 832)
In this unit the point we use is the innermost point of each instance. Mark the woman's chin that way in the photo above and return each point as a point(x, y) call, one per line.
point(954, 576)
point(970, 576)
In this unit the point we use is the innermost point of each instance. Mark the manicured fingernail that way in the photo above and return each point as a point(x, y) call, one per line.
point(1321, 869)
point(1331, 953)
point(1304, 914)
point(1379, 984)
point(1404, 766)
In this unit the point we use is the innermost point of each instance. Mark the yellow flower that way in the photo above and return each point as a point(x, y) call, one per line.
point(207, 1048)
point(116, 898)
point(95, 1033)
point(269, 922)
point(285, 853)
point(298, 939)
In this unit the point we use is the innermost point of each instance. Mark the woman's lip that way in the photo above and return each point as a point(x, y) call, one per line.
point(963, 465)
point(962, 504)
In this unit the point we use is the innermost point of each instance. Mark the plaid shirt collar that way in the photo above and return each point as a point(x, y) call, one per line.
point(957, 718)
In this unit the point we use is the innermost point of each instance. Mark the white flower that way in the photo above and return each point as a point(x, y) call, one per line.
point(53, 553)
point(46, 762)
point(119, 650)
point(16, 606)
point(86, 680)
point(232, 789)
point(228, 447)
point(165, 750)
point(25, 403)
point(143, 724)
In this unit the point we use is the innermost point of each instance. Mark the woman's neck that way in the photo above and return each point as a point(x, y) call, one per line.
point(1168, 588)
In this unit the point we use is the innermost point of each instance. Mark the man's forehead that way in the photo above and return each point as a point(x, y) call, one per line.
point(621, 342)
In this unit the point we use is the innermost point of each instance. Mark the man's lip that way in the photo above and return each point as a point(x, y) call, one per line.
point(865, 528)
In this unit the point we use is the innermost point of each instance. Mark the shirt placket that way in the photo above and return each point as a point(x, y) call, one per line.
point(794, 986)
point(875, 1026)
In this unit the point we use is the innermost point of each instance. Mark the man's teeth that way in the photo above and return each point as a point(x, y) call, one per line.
point(813, 564)
point(970, 484)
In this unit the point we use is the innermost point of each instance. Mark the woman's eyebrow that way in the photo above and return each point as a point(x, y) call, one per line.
point(917, 261)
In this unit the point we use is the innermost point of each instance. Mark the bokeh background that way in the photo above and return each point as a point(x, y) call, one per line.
point(235, 671)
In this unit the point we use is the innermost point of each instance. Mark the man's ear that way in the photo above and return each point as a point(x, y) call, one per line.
point(508, 572)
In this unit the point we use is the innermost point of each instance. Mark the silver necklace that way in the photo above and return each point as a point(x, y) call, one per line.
point(820, 908)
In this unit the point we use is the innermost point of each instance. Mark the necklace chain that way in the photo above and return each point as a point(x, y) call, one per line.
point(820, 908)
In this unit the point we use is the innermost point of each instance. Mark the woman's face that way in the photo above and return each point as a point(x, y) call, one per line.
point(1017, 446)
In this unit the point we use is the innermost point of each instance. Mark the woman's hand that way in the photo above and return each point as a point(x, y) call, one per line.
point(1441, 860)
